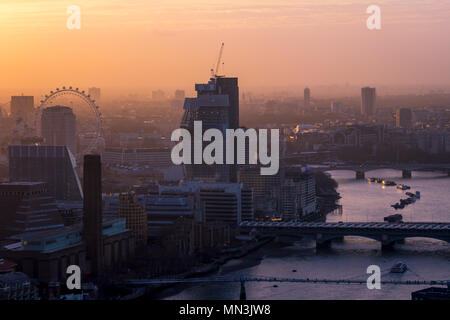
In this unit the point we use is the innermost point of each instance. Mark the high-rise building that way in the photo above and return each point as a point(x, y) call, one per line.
point(229, 87)
point(58, 126)
point(247, 208)
point(22, 106)
point(135, 217)
point(336, 107)
point(368, 101)
point(307, 99)
point(95, 93)
point(290, 194)
point(298, 194)
point(27, 207)
point(403, 118)
point(266, 189)
point(54, 165)
point(216, 102)
point(228, 203)
point(92, 216)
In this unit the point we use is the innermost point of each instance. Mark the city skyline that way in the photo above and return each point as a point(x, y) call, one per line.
point(142, 45)
point(217, 150)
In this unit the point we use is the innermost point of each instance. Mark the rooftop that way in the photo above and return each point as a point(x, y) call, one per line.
point(21, 183)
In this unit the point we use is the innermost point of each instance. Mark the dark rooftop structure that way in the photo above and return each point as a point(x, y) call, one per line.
point(26, 207)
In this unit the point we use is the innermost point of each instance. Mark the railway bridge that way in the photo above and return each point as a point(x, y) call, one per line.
point(406, 168)
point(324, 232)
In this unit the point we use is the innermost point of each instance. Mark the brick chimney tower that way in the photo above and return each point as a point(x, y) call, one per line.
point(92, 207)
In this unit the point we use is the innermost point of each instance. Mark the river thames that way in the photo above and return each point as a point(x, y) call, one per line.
point(427, 259)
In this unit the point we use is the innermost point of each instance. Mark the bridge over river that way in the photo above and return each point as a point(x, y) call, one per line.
point(242, 279)
point(406, 168)
point(219, 279)
point(324, 232)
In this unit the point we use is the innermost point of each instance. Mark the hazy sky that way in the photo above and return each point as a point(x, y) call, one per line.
point(161, 43)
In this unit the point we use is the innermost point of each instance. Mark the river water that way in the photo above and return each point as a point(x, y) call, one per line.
point(427, 259)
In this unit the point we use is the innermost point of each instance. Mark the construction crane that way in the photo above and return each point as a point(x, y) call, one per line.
point(214, 73)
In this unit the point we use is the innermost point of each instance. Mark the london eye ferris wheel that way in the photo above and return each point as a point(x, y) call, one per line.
point(88, 116)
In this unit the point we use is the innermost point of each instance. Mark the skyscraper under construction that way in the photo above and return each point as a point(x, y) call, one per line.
point(217, 106)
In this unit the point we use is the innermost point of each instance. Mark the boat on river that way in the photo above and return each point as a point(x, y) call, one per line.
point(388, 183)
point(399, 268)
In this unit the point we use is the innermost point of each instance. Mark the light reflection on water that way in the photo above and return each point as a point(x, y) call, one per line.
point(364, 201)
point(427, 259)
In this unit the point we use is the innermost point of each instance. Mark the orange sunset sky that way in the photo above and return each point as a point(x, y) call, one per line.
point(174, 43)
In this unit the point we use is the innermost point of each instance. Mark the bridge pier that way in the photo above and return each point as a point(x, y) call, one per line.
point(360, 175)
point(406, 174)
point(323, 245)
point(339, 239)
point(386, 247)
point(386, 243)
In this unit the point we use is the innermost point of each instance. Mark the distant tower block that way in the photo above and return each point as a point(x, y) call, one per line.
point(58, 126)
point(22, 107)
point(403, 118)
point(307, 98)
point(52, 164)
point(336, 107)
point(368, 101)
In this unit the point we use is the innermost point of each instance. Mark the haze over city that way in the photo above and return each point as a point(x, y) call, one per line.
point(201, 150)
point(166, 44)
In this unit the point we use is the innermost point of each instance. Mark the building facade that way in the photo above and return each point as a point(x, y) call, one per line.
point(307, 99)
point(27, 207)
point(368, 101)
point(216, 106)
point(58, 127)
point(229, 203)
point(298, 194)
point(22, 107)
point(54, 165)
point(135, 217)
point(403, 118)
